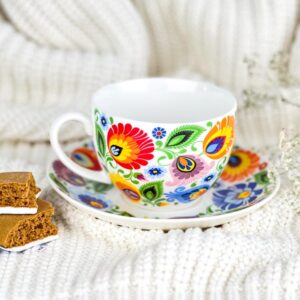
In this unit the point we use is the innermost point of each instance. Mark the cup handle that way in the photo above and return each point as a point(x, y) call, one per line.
point(54, 132)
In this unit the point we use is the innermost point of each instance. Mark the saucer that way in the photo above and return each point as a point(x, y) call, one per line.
point(245, 185)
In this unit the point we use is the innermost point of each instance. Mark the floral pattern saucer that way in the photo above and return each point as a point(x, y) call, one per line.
point(245, 185)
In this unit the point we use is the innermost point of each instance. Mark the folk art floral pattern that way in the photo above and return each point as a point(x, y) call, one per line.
point(166, 166)
point(249, 185)
point(154, 168)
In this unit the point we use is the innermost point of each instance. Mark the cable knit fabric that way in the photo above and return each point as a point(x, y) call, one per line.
point(55, 54)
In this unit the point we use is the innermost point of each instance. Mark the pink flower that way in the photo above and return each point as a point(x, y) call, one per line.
point(188, 168)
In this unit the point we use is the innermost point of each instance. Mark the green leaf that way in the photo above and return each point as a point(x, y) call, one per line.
point(194, 149)
point(100, 139)
point(59, 184)
point(170, 154)
point(160, 159)
point(158, 201)
point(127, 176)
point(182, 151)
point(209, 124)
point(152, 190)
point(136, 174)
point(101, 187)
point(183, 136)
point(262, 178)
point(159, 143)
point(209, 210)
point(108, 158)
point(111, 120)
point(126, 214)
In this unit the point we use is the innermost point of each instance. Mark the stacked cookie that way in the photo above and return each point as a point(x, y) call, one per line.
point(25, 220)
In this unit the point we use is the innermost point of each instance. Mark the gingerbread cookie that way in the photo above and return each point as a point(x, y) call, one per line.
point(20, 232)
point(18, 193)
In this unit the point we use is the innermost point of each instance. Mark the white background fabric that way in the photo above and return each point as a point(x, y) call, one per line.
point(55, 54)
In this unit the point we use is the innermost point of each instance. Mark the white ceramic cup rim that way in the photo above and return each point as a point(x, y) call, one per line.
point(104, 100)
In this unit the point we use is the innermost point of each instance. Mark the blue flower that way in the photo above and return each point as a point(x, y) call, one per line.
point(210, 178)
point(236, 196)
point(185, 196)
point(159, 133)
point(103, 121)
point(155, 172)
point(93, 201)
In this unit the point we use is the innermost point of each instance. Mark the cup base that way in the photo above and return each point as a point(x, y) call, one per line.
point(172, 211)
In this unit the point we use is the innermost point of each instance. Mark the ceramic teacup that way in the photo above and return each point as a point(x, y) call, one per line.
point(162, 142)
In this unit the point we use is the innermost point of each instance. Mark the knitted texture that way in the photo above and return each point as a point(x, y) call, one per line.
point(55, 54)
point(256, 257)
point(90, 43)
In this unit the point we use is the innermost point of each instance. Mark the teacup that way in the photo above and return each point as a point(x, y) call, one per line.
point(162, 142)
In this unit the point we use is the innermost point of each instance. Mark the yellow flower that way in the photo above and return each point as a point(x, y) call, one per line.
point(126, 187)
point(220, 138)
point(164, 204)
point(197, 194)
point(243, 195)
point(96, 204)
point(241, 164)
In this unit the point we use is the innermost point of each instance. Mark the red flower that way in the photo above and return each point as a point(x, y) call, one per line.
point(86, 158)
point(129, 146)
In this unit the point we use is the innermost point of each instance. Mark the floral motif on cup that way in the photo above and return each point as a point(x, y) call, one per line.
point(152, 191)
point(103, 121)
point(210, 178)
point(66, 174)
point(129, 146)
point(127, 188)
point(188, 168)
point(141, 177)
point(154, 172)
point(183, 136)
point(159, 133)
point(183, 195)
point(219, 139)
point(235, 196)
point(86, 158)
point(93, 201)
point(241, 164)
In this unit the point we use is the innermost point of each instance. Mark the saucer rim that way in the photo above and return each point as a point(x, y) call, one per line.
point(150, 223)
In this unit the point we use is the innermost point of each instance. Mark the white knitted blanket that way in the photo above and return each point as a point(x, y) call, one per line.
point(54, 54)
point(256, 257)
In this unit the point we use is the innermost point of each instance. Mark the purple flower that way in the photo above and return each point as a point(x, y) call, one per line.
point(188, 168)
point(66, 174)
point(93, 201)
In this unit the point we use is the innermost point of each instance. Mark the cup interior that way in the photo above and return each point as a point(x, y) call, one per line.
point(164, 100)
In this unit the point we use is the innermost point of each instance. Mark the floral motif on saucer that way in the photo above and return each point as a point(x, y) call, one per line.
point(245, 182)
